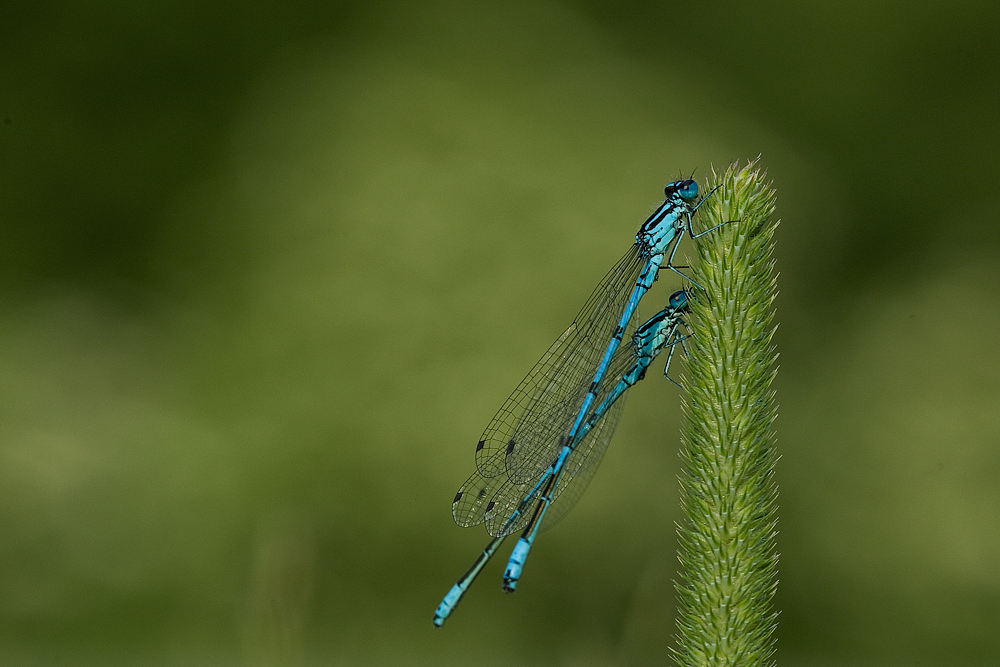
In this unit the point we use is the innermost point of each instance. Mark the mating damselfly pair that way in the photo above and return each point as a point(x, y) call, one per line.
point(542, 448)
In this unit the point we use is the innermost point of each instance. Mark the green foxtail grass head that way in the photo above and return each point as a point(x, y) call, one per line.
point(728, 492)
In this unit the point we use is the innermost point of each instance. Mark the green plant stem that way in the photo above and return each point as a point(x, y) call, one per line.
point(728, 492)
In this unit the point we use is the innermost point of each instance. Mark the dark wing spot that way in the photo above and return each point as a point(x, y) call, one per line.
point(490, 506)
point(481, 494)
point(482, 443)
point(510, 446)
point(458, 496)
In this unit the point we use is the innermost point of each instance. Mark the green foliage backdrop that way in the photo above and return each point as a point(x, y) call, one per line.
point(268, 268)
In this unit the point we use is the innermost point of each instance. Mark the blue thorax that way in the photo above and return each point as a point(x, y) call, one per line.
point(670, 219)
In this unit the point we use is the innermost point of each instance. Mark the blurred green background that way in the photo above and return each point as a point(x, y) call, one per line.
point(268, 268)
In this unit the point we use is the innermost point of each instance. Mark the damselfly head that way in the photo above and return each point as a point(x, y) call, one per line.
point(679, 300)
point(687, 189)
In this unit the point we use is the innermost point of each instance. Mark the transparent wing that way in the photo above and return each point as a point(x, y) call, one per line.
point(586, 457)
point(586, 460)
point(527, 427)
point(493, 500)
point(506, 504)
